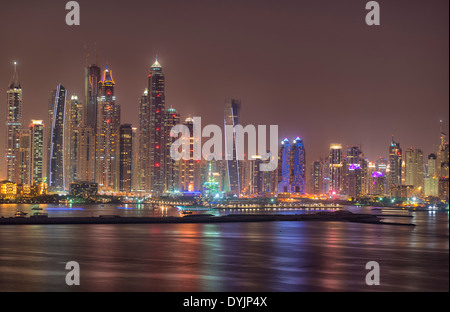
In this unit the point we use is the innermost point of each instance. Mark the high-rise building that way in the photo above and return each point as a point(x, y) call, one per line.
point(74, 122)
point(256, 181)
point(125, 150)
point(444, 189)
point(50, 110)
point(336, 169)
point(144, 143)
point(232, 118)
point(298, 167)
point(135, 186)
point(317, 177)
point(365, 177)
point(431, 177)
point(353, 172)
point(87, 131)
point(156, 131)
point(37, 150)
point(284, 167)
point(13, 124)
point(92, 83)
point(108, 122)
point(57, 175)
point(414, 168)
point(378, 183)
point(86, 154)
point(190, 169)
point(395, 164)
point(23, 158)
point(171, 171)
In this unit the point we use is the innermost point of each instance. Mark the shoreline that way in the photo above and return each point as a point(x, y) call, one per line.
point(343, 216)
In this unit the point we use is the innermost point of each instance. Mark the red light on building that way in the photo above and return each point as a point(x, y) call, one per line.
point(157, 165)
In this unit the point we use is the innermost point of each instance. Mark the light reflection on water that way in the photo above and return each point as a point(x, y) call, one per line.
point(266, 256)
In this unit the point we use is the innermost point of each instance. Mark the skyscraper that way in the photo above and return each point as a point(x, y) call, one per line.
point(23, 158)
point(156, 132)
point(190, 169)
point(74, 122)
point(414, 168)
point(317, 177)
point(87, 138)
point(50, 110)
point(144, 142)
point(108, 122)
point(336, 169)
point(431, 178)
point(171, 171)
point(57, 175)
point(125, 150)
point(298, 167)
point(284, 167)
point(232, 118)
point(92, 80)
point(37, 150)
point(353, 172)
point(13, 124)
point(135, 186)
point(395, 164)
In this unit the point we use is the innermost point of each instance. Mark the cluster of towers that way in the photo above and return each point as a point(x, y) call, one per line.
point(404, 174)
point(87, 143)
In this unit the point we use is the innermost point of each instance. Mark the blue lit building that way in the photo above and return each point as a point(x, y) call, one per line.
point(298, 170)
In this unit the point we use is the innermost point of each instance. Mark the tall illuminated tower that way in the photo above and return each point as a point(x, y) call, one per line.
point(395, 164)
point(284, 167)
point(298, 163)
point(156, 133)
point(125, 157)
point(86, 145)
point(353, 172)
point(74, 123)
point(13, 124)
point(336, 169)
point(57, 179)
point(171, 171)
point(190, 169)
point(50, 110)
point(37, 150)
point(232, 118)
point(108, 122)
point(414, 168)
point(143, 175)
point(23, 158)
point(92, 79)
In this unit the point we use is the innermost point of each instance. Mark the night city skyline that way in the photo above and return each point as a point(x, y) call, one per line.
point(374, 88)
point(204, 148)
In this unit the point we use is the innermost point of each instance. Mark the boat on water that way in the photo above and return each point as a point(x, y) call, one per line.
point(37, 208)
point(20, 214)
point(186, 212)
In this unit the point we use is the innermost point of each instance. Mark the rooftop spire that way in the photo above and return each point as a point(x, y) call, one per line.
point(156, 64)
point(14, 83)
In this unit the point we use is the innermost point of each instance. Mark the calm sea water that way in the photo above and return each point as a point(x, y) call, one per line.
point(268, 256)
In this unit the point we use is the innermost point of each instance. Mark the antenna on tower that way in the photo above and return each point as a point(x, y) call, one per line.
point(87, 55)
point(96, 54)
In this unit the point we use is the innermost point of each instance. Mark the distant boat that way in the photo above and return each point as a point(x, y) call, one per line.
point(186, 212)
point(20, 214)
point(37, 208)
